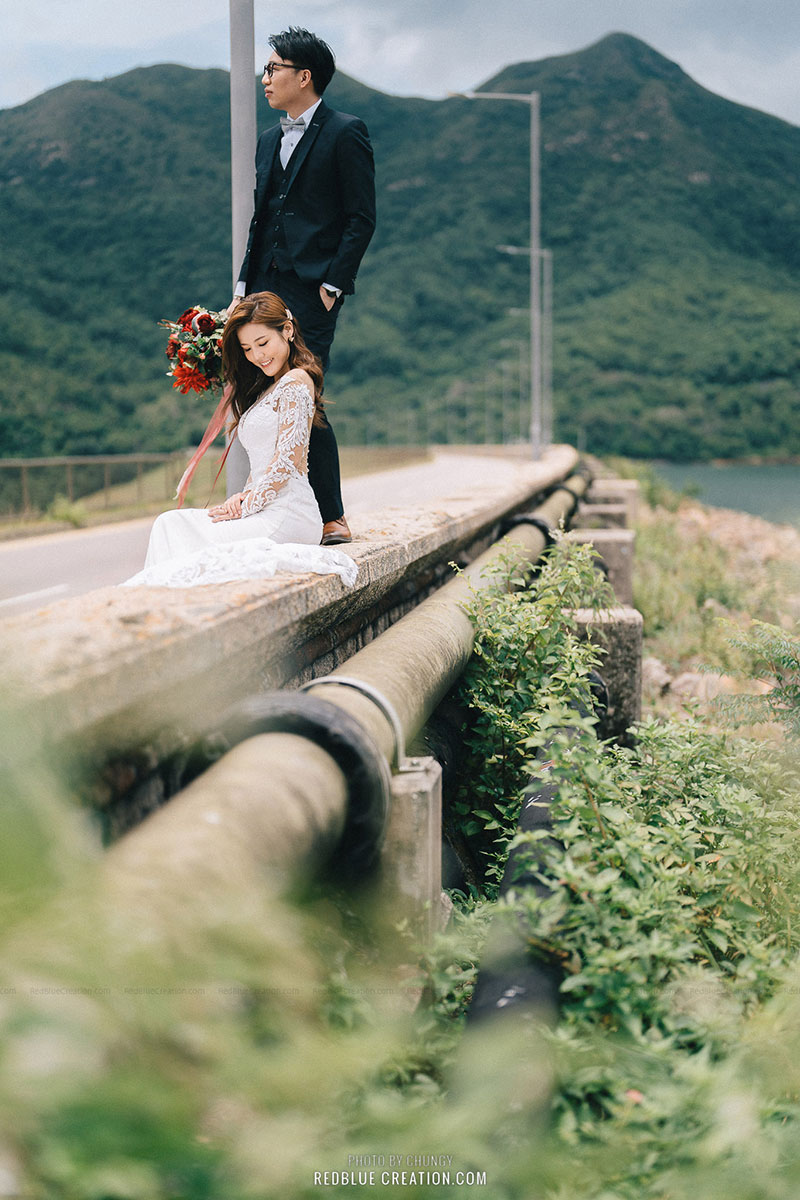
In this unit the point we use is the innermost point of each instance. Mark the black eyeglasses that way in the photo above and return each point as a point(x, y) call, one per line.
point(270, 68)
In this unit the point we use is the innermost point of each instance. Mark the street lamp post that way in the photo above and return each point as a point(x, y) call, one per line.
point(547, 345)
point(243, 126)
point(243, 141)
point(531, 99)
point(546, 283)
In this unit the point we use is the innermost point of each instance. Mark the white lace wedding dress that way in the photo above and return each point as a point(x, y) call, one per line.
point(280, 527)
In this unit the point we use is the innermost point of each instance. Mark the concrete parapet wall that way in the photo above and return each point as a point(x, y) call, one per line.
point(619, 632)
point(411, 862)
point(133, 676)
point(615, 548)
point(617, 491)
point(606, 515)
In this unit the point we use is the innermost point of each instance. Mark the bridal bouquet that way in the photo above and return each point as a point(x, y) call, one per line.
point(194, 350)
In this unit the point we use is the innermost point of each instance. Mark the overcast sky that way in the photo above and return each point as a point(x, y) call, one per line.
point(747, 50)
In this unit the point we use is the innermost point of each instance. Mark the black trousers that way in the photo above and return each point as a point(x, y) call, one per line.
point(318, 327)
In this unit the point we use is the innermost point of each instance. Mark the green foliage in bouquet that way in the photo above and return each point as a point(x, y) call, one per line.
point(194, 350)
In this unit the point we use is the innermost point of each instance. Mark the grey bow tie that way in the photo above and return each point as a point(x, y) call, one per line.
point(287, 124)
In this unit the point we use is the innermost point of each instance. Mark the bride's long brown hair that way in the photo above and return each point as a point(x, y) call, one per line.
point(246, 379)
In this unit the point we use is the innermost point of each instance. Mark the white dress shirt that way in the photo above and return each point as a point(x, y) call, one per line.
point(291, 137)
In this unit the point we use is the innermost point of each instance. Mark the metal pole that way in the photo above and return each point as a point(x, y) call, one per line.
point(243, 145)
point(506, 436)
point(547, 345)
point(243, 127)
point(536, 310)
point(522, 392)
point(487, 437)
point(532, 99)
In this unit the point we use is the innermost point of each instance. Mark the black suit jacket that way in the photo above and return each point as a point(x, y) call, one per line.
point(329, 212)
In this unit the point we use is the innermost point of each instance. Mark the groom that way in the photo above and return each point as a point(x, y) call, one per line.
point(313, 218)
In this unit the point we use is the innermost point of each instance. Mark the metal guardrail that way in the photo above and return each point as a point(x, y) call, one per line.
point(69, 462)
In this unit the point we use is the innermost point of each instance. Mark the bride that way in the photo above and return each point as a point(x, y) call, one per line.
point(274, 397)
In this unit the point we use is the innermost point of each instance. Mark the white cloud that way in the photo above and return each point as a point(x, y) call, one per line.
point(48, 42)
point(746, 49)
point(98, 24)
point(767, 82)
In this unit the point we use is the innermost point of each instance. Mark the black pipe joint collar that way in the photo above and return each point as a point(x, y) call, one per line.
point(339, 735)
point(563, 487)
point(544, 527)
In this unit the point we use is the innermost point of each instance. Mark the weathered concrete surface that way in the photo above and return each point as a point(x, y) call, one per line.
point(615, 548)
point(123, 666)
point(619, 632)
point(604, 515)
point(38, 571)
point(617, 491)
point(411, 861)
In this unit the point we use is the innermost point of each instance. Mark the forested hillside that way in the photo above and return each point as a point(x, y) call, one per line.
point(673, 217)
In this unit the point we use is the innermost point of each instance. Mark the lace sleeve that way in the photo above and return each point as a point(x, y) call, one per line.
point(295, 413)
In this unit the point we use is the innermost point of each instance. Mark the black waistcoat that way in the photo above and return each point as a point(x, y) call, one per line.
point(273, 234)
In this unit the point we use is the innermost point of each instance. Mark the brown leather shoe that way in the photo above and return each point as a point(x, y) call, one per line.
point(336, 532)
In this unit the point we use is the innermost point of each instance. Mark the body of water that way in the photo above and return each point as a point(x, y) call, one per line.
point(772, 492)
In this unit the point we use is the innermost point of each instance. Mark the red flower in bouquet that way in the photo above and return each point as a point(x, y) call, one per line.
point(186, 318)
point(194, 349)
point(189, 379)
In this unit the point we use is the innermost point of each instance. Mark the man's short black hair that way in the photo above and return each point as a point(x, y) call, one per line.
point(305, 49)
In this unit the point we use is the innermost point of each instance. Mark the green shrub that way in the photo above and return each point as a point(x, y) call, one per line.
point(527, 654)
point(680, 853)
point(62, 509)
point(670, 901)
point(773, 657)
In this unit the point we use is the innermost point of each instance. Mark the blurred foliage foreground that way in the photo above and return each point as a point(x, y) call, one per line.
point(247, 1054)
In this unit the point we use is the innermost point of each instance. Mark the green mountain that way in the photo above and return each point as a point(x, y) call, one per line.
point(673, 216)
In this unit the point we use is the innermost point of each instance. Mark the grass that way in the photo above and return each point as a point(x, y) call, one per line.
point(703, 579)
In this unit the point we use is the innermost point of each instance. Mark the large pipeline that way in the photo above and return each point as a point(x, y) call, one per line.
point(416, 662)
point(278, 804)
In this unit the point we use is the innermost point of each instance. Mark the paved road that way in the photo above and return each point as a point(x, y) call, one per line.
point(38, 570)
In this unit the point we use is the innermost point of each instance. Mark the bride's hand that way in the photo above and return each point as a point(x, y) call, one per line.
point(229, 510)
